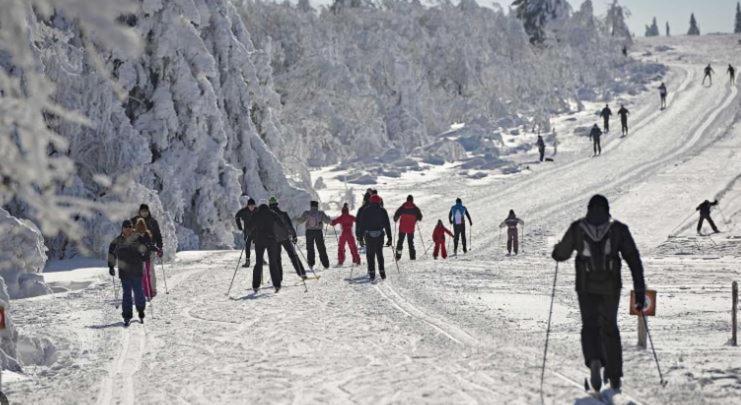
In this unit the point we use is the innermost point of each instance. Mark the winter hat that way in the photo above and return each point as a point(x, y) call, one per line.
point(375, 199)
point(410, 198)
point(512, 214)
point(345, 209)
point(458, 201)
point(143, 207)
point(250, 202)
point(126, 224)
point(598, 211)
point(599, 200)
point(314, 204)
point(273, 201)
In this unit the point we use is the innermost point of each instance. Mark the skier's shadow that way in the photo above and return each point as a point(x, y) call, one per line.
point(250, 296)
point(358, 280)
point(108, 326)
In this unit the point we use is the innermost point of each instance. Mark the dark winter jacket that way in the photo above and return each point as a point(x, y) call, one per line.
point(358, 214)
point(595, 133)
point(284, 230)
point(314, 219)
point(243, 217)
point(153, 227)
point(704, 208)
point(606, 113)
point(541, 143)
point(345, 220)
point(455, 216)
point(623, 113)
point(129, 254)
point(374, 219)
point(662, 90)
point(596, 272)
point(407, 215)
point(266, 226)
point(709, 70)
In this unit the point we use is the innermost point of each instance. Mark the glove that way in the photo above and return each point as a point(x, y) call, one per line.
point(388, 243)
point(111, 271)
point(294, 240)
point(640, 303)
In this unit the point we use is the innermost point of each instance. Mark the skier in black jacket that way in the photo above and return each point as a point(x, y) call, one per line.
point(152, 224)
point(541, 147)
point(732, 74)
point(286, 237)
point(704, 209)
point(600, 242)
point(243, 217)
point(128, 251)
point(595, 134)
point(266, 228)
point(606, 114)
point(373, 224)
point(708, 74)
point(623, 113)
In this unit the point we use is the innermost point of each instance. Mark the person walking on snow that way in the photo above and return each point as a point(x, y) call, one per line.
point(606, 114)
point(541, 147)
point(511, 224)
point(128, 251)
point(315, 220)
point(152, 225)
point(623, 113)
point(708, 74)
point(600, 242)
point(663, 93)
point(374, 224)
point(438, 237)
point(286, 237)
point(704, 209)
point(407, 216)
point(149, 280)
point(457, 217)
point(346, 221)
point(595, 134)
point(266, 228)
point(243, 217)
point(732, 74)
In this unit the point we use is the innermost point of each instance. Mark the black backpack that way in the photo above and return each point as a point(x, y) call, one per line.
point(599, 259)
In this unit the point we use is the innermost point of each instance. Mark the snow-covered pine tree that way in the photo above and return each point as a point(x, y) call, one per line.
point(737, 28)
point(694, 30)
point(615, 22)
point(533, 14)
point(653, 29)
point(668, 31)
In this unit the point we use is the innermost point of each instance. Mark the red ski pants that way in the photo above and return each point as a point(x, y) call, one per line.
point(440, 248)
point(347, 239)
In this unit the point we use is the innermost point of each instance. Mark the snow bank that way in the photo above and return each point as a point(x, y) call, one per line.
point(9, 336)
point(22, 257)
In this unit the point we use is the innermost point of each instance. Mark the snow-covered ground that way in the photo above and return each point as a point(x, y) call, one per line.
point(467, 330)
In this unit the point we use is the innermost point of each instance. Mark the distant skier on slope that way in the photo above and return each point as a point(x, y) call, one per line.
point(511, 224)
point(708, 74)
point(374, 223)
point(599, 243)
point(663, 93)
point(623, 113)
point(267, 228)
point(243, 217)
point(541, 147)
point(346, 221)
point(128, 251)
point(704, 209)
point(457, 216)
point(438, 237)
point(606, 113)
point(732, 74)
point(595, 134)
point(314, 219)
point(285, 236)
point(407, 216)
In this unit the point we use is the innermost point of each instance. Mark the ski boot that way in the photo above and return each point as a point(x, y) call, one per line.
point(277, 289)
point(246, 263)
point(141, 317)
point(615, 384)
point(126, 323)
point(595, 368)
point(383, 275)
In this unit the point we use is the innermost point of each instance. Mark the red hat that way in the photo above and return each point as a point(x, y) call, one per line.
point(376, 199)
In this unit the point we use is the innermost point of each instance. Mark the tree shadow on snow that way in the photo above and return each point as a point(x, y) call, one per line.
point(108, 326)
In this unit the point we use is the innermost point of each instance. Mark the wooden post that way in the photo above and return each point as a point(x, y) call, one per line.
point(641, 332)
point(734, 311)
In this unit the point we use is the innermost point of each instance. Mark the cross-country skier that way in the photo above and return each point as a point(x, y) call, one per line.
point(152, 224)
point(625, 51)
point(541, 147)
point(438, 237)
point(708, 74)
point(511, 224)
point(315, 220)
point(606, 113)
point(623, 113)
point(265, 227)
point(407, 215)
point(149, 278)
point(457, 216)
point(599, 243)
point(732, 74)
point(358, 235)
point(663, 93)
point(374, 224)
point(243, 217)
point(704, 209)
point(286, 237)
point(346, 221)
point(595, 134)
point(128, 251)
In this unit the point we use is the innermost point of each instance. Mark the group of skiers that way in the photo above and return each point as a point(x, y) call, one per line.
point(709, 74)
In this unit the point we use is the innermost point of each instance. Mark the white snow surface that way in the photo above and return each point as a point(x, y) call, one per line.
point(467, 330)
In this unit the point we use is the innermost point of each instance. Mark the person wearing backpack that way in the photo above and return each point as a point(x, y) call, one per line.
point(315, 220)
point(600, 242)
point(457, 216)
point(438, 237)
point(511, 224)
point(373, 224)
point(407, 215)
point(704, 209)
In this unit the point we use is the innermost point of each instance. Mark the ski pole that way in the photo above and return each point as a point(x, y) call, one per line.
point(393, 250)
point(548, 332)
point(681, 224)
point(115, 292)
point(235, 272)
point(470, 236)
point(421, 238)
point(307, 262)
point(164, 275)
point(336, 238)
point(656, 358)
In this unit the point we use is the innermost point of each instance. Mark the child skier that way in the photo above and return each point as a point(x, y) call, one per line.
point(346, 221)
point(438, 236)
point(511, 224)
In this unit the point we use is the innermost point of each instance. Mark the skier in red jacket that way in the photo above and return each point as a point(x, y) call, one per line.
point(438, 236)
point(346, 221)
point(407, 215)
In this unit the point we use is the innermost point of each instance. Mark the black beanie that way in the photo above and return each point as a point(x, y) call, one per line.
point(250, 202)
point(314, 203)
point(599, 200)
point(144, 207)
point(126, 224)
point(410, 198)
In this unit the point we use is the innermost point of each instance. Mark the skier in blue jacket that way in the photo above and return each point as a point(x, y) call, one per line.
point(457, 216)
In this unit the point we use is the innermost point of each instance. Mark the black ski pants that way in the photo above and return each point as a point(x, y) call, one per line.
point(624, 124)
point(247, 244)
point(597, 145)
point(541, 151)
point(276, 268)
point(600, 336)
point(710, 221)
point(459, 232)
point(607, 124)
point(290, 249)
point(316, 237)
point(373, 254)
point(410, 242)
